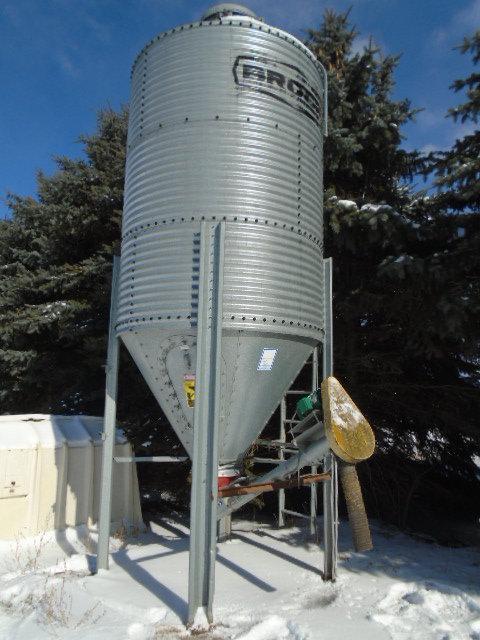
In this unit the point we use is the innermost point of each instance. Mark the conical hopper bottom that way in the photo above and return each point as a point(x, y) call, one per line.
point(257, 369)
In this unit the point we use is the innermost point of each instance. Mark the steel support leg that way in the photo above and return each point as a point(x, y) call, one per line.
point(109, 420)
point(314, 469)
point(224, 525)
point(203, 507)
point(281, 456)
point(330, 488)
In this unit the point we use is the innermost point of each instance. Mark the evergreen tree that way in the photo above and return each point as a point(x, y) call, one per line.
point(453, 222)
point(56, 253)
point(402, 321)
point(363, 157)
point(458, 169)
point(451, 235)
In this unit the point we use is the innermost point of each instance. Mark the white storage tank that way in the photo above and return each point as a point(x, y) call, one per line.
point(50, 469)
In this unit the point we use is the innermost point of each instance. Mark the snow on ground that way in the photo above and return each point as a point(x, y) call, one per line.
point(268, 587)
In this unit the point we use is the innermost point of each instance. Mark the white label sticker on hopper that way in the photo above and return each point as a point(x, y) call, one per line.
point(267, 359)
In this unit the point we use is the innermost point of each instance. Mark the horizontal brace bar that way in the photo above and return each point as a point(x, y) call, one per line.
point(296, 392)
point(151, 459)
point(297, 514)
point(276, 460)
point(277, 444)
point(263, 487)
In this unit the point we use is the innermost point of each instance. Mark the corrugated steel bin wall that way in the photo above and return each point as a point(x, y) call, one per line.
point(213, 135)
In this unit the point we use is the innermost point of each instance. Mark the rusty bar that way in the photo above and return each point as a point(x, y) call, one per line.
point(302, 481)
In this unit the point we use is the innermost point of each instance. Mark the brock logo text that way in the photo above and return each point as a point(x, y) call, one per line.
point(280, 80)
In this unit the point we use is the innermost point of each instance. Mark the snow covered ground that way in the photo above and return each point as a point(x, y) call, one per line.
point(269, 587)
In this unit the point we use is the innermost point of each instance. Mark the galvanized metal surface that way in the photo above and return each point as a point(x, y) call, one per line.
point(109, 421)
point(310, 456)
point(203, 505)
point(314, 468)
point(327, 357)
point(330, 488)
point(227, 8)
point(150, 459)
point(225, 124)
point(281, 456)
point(224, 528)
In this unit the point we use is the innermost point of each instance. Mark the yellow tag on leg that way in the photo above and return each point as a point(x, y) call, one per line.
point(189, 388)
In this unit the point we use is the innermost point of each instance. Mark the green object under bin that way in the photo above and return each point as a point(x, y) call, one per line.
point(309, 403)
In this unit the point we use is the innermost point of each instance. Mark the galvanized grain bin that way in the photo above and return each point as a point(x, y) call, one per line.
point(226, 123)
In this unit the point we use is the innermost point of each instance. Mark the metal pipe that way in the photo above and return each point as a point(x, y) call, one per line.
point(330, 489)
point(314, 469)
point(150, 459)
point(287, 447)
point(296, 392)
point(224, 528)
point(313, 454)
point(109, 420)
point(263, 487)
point(281, 456)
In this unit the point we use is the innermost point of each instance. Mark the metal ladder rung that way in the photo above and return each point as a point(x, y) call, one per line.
point(286, 447)
point(286, 425)
point(273, 443)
